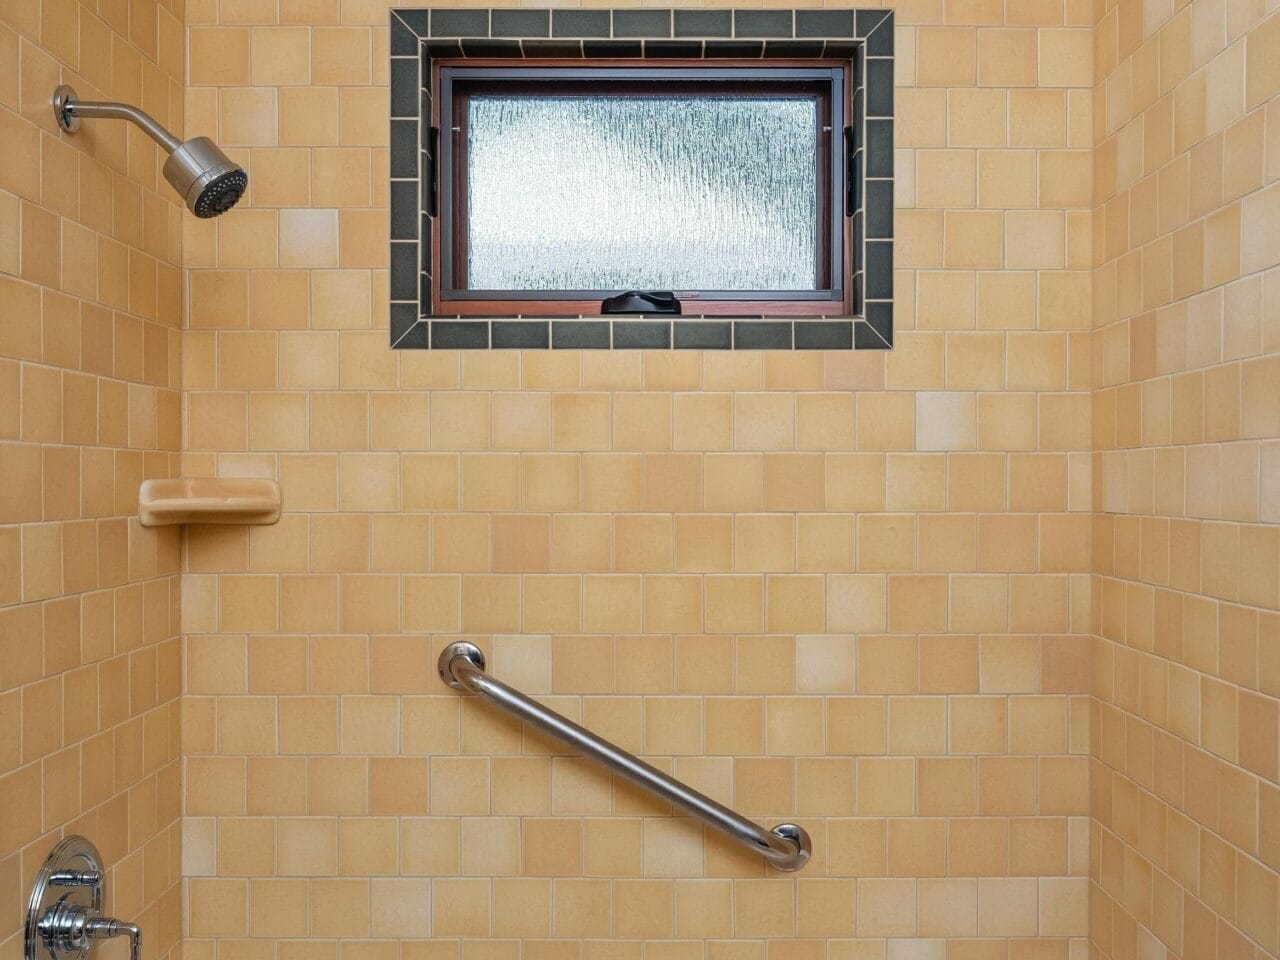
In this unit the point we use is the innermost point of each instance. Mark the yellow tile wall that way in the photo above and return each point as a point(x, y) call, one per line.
point(90, 330)
point(1186, 423)
point(848, 588)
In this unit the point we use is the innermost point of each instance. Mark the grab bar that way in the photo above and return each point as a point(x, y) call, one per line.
point(786, 846)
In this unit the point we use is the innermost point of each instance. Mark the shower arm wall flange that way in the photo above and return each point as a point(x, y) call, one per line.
point(68, 109)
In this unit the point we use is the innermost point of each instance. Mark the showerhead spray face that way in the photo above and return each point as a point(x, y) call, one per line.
point(205, 177)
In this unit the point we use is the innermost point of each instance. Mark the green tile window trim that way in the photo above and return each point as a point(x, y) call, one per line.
point(862, 36)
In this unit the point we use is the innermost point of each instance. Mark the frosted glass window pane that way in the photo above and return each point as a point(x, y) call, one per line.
point(647, 193)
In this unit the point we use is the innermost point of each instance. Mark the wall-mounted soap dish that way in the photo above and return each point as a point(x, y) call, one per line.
point(197, 500)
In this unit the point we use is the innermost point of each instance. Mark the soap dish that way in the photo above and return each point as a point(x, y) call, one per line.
point(198, 500)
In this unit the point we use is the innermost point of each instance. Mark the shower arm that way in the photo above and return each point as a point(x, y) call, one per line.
point(208, 181)
point(71, 110)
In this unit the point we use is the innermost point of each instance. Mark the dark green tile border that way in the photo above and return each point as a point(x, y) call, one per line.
point(865, 36)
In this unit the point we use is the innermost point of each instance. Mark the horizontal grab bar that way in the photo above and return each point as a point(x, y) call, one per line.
point(786, 846)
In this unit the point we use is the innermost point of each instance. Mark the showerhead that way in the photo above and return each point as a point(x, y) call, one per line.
point(205, 177)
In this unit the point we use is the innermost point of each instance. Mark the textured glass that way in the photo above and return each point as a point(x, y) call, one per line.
point(642, 193)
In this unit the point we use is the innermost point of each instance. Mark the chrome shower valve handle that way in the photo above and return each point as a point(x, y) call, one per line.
point(75, 878)
point(71, 929)
point(64, 915)
point(105, 928)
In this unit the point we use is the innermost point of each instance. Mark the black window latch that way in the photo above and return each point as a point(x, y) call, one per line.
point(642, 301)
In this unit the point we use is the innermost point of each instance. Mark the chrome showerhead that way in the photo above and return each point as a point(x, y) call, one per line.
point(205, 177)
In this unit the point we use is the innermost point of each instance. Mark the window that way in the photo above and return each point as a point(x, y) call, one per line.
point(543, 160)
point(561, 186)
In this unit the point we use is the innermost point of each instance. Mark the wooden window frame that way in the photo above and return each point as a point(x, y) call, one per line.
point(453, 80)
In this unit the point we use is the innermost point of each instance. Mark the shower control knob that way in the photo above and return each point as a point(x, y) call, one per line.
point(69, 930)
point(64, 915)
point(75, 878)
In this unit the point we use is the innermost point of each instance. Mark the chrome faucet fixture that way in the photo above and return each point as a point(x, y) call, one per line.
point(64, 915)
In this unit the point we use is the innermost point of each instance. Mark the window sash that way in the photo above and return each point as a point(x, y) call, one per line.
point(456, 81)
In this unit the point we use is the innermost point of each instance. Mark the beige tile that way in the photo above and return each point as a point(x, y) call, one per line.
point(600, 494)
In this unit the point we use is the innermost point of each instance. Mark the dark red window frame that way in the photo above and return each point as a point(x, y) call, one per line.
point(454, 80)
